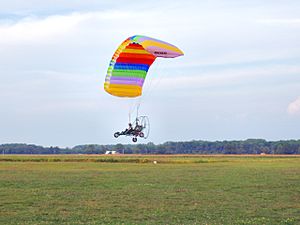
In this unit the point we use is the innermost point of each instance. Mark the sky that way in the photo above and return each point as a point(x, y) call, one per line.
point(239, 77)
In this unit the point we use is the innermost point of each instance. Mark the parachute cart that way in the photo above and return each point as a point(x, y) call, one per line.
point(127, 72)
point(140, 128)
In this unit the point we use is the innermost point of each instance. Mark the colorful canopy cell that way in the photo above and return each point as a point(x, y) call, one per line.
point(130, 63)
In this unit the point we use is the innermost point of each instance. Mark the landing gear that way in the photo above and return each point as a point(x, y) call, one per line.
point(134, 139)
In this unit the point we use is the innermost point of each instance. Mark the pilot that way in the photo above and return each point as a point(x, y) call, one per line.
point(129, 129)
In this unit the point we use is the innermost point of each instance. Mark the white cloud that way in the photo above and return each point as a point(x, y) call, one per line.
point(31, 29)
point(294, 107)
point(295, 21)
point(228, 77)
point(42, 29)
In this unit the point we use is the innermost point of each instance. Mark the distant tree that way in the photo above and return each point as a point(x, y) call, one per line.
point(249, 146)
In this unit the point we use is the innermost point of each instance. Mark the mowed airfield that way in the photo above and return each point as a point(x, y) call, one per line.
point(139, 189)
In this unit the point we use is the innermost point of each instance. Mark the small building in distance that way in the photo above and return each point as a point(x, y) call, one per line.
point(111, 152)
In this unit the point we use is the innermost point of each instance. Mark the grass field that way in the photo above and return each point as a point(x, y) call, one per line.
point(133, 190)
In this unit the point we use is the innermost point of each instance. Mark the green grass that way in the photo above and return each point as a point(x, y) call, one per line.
point(133, 190)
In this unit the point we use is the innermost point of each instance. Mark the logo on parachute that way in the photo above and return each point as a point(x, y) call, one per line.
point(160, 53)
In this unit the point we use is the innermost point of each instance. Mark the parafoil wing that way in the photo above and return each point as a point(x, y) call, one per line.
point(131, 61)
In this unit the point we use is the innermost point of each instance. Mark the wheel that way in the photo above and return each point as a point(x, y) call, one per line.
point(116, 135)
point(141, 134)
point(134, 139)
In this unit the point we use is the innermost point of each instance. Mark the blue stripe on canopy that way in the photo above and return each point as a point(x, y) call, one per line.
point(129, 66)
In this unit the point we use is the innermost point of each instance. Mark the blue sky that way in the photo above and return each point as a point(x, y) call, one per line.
point(239, 78)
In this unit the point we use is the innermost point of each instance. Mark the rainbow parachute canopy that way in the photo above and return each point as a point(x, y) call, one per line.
point(130, 63)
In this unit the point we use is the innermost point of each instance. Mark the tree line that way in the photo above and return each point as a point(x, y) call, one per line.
point(249, 146)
